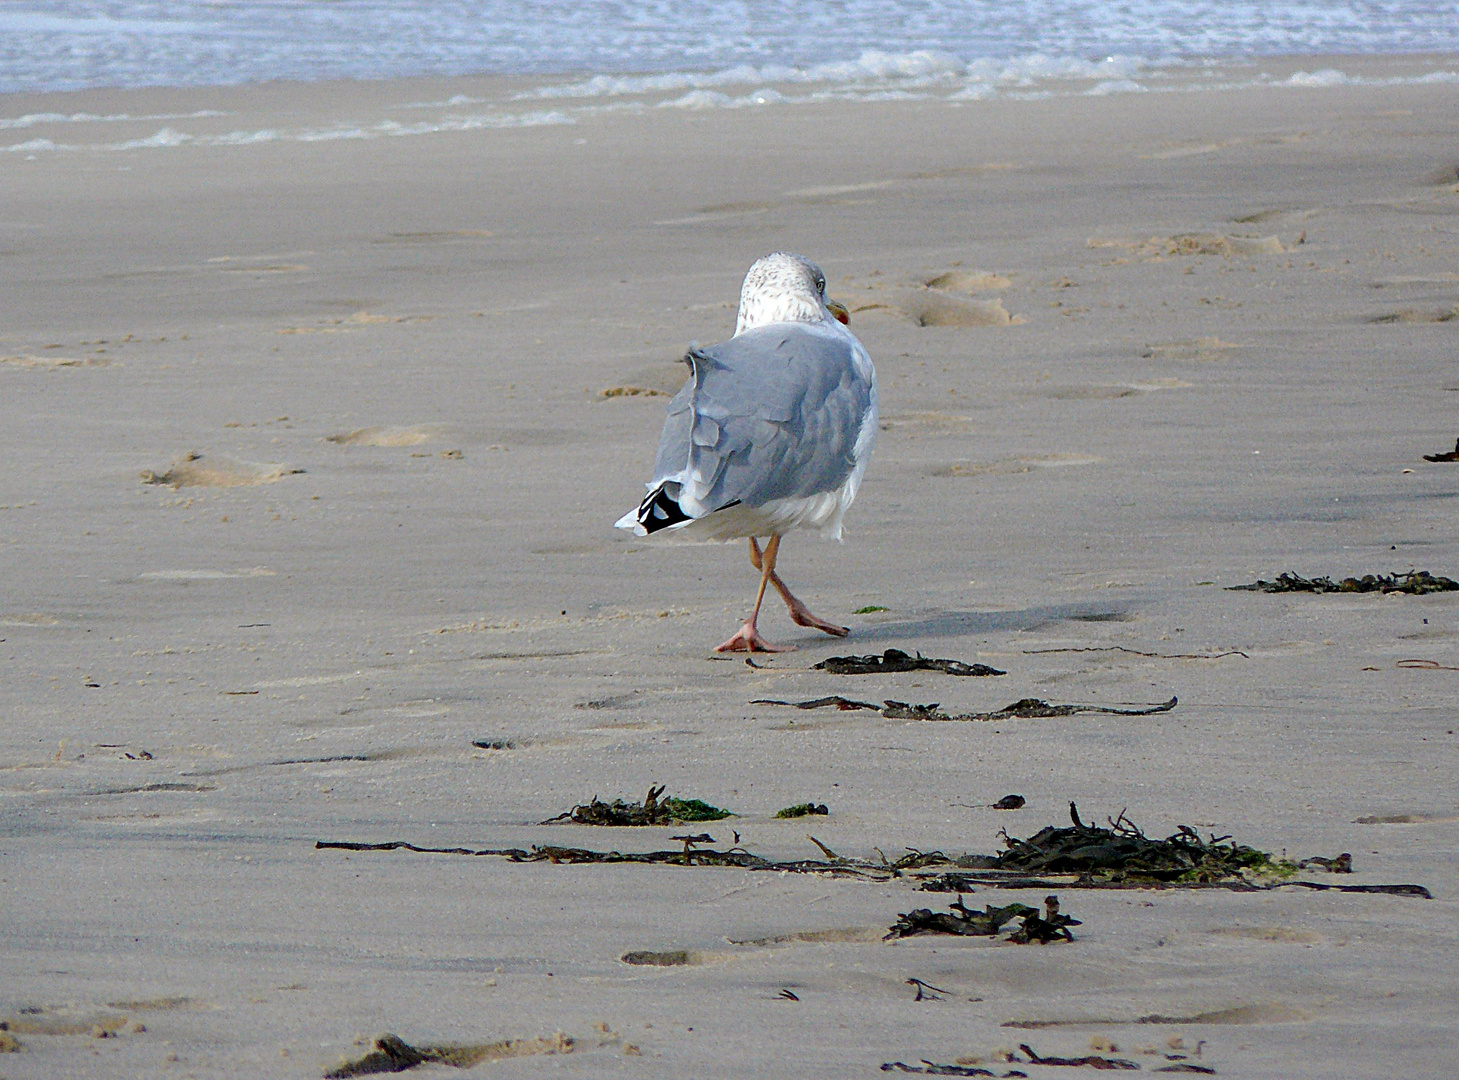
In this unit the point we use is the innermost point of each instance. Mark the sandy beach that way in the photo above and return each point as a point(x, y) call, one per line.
point(313, 444)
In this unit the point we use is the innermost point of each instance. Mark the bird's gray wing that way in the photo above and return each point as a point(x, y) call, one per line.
point(773, 413)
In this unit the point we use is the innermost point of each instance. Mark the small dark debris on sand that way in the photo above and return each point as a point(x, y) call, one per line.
point(1343, 864)
point(895, 660)
point(808, 809)
point(928, 1068)
point(843, 703)
point(1414, 582)
point(393, 1054)
point(648, 958)
point(1091, 1061)
point(1187, 1067)
point(1008, 802)
point(654, 810)
point(1448, 455)
point(926, 991)
point(1024, 709)
point(964, 921)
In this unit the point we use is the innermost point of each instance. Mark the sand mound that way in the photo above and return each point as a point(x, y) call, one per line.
point(193, 470)
point(968, 281)
point(934, 307)
point(1276, 1012)
point(381, 436)
point(1196, 244)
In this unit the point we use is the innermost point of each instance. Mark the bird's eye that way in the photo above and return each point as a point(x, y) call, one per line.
point(820, 284)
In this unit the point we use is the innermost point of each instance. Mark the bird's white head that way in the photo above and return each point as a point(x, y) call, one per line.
point(785, 288)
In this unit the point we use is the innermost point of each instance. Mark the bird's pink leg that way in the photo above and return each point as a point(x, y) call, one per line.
point(748, 638)
point(799, 613)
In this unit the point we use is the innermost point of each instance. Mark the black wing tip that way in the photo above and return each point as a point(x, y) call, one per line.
point(660, 510)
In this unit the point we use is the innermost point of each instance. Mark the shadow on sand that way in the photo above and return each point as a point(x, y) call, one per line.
point(967, 623)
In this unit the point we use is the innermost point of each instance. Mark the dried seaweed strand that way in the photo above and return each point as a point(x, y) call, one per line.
point(1025, 709)
point(962, 873)
point(1137, 652)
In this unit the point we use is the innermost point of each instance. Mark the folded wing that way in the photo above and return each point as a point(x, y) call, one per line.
point(773, 413)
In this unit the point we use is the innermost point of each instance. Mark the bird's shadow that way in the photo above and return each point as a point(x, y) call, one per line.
point(967, 623)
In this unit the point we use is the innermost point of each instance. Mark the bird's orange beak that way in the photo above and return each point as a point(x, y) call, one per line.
point(838, 309)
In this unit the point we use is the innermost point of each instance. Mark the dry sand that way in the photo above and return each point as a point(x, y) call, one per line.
point(1126, 396)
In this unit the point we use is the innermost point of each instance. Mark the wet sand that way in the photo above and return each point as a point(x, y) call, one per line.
point(309, 481)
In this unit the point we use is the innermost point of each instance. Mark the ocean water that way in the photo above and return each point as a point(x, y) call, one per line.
point(591, 58)
point(73, 44)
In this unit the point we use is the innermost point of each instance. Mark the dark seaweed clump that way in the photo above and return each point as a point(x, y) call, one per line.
point(964, 921)
point(654, 810)
point(895, 660)
point(1415, 582)
point(808, 809)
point(1122, 852)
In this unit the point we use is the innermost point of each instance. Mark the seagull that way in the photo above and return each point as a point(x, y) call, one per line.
point(771, 432)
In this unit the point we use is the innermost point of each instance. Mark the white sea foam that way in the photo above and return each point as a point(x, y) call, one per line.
point(872, 77)
point(37, 119)
point(32, 146)
point(168, 138)
point(647, 49)
point(1115, 86)
point(922, 68)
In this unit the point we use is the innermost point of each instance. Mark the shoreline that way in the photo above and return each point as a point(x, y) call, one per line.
point(575, 96)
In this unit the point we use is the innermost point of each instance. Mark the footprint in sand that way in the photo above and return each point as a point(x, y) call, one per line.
point(816, 937)
point(1418, 315)
point(1202, 348)
point(1285, 935)
point(1445, 176)
point(205, 575)
point(51, 363)
point(946, 298)
point(669, 958)
point(1159, 247)
point(162, 1004)
point(383, 436)
point(928, 421)
point(1405, 819)
point(1272, 1012)
point(1260, 217)
point(661, 380)
point(440, 237)
point(934, 307)
point(1014, 466)
point(196, 470)
point(22, 619)
point(1110, 392)
point(968, 281)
